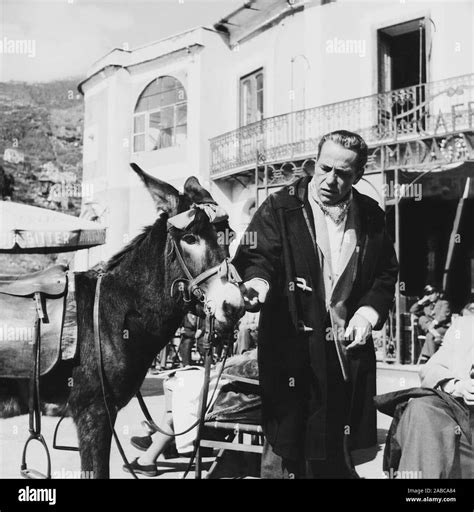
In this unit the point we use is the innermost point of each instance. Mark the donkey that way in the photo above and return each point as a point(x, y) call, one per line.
point(139, 311)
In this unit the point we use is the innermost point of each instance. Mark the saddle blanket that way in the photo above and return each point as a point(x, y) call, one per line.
point(17, 334)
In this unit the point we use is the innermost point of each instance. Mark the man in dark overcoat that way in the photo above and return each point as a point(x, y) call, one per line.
point(323, 271)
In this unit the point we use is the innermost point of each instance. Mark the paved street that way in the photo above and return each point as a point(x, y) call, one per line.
point(65, 464)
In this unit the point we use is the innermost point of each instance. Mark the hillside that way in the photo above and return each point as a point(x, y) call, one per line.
point(43, 122)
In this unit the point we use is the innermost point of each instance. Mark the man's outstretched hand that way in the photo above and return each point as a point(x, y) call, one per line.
point(357, 332)
point(254, 293)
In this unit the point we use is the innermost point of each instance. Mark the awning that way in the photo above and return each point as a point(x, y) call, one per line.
point(29, 229)
point(445, 181)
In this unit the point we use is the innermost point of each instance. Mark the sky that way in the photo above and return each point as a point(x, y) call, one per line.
point(42, 40)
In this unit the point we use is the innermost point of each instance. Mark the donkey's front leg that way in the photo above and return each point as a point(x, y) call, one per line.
point(95, 437)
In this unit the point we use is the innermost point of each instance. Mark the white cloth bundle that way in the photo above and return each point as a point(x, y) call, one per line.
point(184, 219)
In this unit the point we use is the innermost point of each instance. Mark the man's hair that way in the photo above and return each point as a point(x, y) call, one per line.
point(348, 140)
point(468, 309)
point(429, 289)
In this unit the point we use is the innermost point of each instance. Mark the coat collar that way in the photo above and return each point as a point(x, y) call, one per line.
point(350, 240)
point(365, 218)
point(369, 212)
point(322, 234)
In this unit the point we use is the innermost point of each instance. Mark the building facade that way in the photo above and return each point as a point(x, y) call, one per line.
point(243, 104)
point(13, 156)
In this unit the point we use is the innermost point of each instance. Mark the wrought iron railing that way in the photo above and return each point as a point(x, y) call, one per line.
point(415, 111)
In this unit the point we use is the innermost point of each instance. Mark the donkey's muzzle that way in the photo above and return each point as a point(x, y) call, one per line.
point(233, 311)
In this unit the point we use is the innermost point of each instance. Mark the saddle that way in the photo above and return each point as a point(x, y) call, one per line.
point(27, 303)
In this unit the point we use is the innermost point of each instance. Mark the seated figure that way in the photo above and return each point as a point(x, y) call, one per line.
point(227, 401)
point(434, 317)
point(431, 435)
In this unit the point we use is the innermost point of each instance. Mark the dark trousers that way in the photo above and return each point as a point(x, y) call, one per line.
point(337, 463)
point(276, 468)
point(185, 348)
point(431, 442)
point(432, 344)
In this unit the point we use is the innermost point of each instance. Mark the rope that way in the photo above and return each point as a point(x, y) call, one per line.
point(100, 368)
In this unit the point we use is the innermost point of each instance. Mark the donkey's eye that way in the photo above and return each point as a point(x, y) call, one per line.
point(189, 239)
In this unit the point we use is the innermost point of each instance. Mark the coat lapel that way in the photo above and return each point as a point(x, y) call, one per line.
point(301, 236)
point(322, 236)
point(350, 251)
point(349, 241)
point(301, 230)
point(324, 250)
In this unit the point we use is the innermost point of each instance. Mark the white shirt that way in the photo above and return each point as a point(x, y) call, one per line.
point(336, 237)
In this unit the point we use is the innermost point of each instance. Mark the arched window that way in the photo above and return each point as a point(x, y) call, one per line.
point(160, 118)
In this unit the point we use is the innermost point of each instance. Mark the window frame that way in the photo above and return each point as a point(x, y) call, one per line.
point(151, 143)
point(252, 76)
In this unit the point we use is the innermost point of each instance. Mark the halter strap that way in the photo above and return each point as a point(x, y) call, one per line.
point(181, 261)
point(225, 269)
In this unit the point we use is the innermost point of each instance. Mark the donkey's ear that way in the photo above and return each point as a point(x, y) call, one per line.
point(165, 196)
point(197, 193)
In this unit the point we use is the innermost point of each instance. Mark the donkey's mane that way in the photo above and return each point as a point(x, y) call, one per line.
point(117, 258)
point(196, 226)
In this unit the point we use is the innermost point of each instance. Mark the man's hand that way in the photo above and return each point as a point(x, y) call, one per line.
point(432, 329)
point(424, 300)
point(358, 330)
point(465, 390)
point(255, 293)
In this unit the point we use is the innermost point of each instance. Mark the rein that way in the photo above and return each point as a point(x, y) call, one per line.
point(224, 270)
point(98, 348)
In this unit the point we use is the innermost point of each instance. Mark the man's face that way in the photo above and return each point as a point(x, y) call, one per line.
point(468, 310)
point(434, 296)
point(335, 172)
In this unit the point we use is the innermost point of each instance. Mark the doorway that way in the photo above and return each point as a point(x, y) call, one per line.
point(402, 72)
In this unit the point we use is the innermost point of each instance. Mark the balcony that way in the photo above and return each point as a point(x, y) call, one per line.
point(431, 109)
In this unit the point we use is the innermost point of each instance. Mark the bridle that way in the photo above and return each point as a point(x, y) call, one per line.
point(190, 286)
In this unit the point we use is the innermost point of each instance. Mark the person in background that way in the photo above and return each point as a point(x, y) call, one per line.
point(7, 182)
point(226, 402)
point(468, 309)
point(434, 318)
point(247, 333)
point(431, 434)
point(188, 338)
